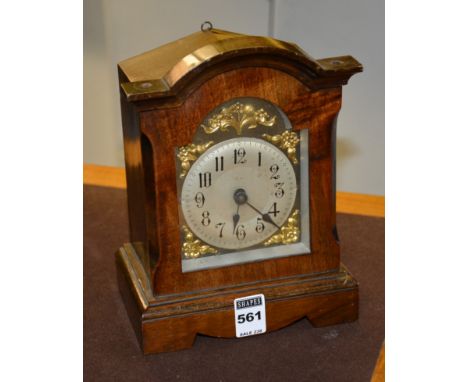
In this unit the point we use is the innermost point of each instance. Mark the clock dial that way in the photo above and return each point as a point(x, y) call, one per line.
point(238, 193)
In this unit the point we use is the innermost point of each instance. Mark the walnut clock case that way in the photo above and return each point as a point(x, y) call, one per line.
point(230, 162)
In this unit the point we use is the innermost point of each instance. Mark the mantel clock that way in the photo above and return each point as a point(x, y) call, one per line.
point(230, 161)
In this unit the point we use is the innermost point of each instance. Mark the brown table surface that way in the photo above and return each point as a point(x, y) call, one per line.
point(299, 352)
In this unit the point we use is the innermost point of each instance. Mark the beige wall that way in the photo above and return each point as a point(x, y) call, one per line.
point(118, 29)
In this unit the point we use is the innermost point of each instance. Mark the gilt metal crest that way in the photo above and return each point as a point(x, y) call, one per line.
point(238, 116)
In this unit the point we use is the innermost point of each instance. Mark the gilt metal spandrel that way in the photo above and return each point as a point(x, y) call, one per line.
point(286, 141)
point(193, 247)
point(289, 232)
point(190, 153)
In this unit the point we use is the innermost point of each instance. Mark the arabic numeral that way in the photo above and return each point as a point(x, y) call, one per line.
point(273, 210)
point(199, 199)
point(239, 156)
point(205, 179)
point(219, 163)
point(220, 225)
point(260, 226)
point(274, 168)
point(206, 218)
point(240, 232)
point(249, 317)
point(279, 192)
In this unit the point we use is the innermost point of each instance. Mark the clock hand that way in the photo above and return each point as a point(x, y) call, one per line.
point(240, 197)
point(265, 217)
point(235, 219)
point(268, 219)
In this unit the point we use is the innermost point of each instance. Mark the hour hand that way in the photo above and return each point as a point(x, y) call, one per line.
point(235, 219)
point(240, 197)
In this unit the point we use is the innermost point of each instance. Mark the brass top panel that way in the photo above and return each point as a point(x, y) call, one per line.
point(156, 63)
point(158, 70)
point(175, 59)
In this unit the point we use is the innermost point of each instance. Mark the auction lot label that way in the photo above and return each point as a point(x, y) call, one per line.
point(249, 315)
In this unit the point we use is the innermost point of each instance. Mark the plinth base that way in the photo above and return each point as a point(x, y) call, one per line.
point(171, 323)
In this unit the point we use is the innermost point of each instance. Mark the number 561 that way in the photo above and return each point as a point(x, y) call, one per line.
point(249, 317)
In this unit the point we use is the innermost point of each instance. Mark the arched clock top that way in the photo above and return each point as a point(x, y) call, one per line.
point(166, 71)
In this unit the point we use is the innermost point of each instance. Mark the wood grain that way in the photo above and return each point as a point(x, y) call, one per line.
point(170, 323)
point(161, 128)
point(346, 202)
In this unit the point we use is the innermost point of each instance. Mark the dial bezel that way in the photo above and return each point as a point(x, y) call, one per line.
point(190, 187)
point(208, 256)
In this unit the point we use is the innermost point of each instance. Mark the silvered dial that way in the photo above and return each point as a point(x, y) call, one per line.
point(238, 193)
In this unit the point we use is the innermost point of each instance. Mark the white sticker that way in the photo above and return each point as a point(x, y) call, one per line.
point(249, 315)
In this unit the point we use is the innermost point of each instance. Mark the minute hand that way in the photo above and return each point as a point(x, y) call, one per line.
point(265, 217)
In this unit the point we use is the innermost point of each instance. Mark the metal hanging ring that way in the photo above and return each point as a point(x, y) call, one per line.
point(206, 26)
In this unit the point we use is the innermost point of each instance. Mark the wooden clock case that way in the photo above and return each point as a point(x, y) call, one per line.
point(165, 94)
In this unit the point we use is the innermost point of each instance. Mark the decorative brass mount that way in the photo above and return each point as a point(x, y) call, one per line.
point(190, 153)
point(239, 116)
point(286, 141)
point(289, 232)
point(193, 248)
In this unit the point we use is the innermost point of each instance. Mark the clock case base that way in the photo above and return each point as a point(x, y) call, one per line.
point(171, 322)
